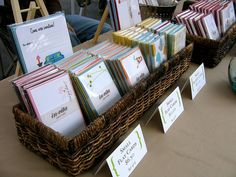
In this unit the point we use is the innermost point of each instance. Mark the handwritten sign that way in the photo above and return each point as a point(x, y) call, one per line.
point(197, 80)
point(170, 109)
point(41, 41)
point(128, 154)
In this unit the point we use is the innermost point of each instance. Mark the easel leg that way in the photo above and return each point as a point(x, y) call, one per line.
point(43, 8)
point(100, 26)
point(18, 71)
point(31, 12)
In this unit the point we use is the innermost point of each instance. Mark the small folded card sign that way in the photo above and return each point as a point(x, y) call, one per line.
point(171, 108)
point(128, 154)
point(197, 80)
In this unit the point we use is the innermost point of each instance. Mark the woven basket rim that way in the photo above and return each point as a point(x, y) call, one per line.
point(70, 143)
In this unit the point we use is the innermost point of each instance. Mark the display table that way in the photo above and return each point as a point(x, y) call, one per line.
point(201, 142)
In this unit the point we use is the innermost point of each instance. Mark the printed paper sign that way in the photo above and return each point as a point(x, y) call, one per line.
point(42, 41)
point(197, 80)
point(171, 108)
point(128, 154)
point(1, 2)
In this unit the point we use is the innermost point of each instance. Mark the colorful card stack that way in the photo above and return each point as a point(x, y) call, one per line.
point(209, 19)
point(153, 47)
point(149, 2)
point(41, 41)
point(175, 35)
point(93, 83)
point(123, 14)
point(157, 40)
point(48, 95)
point(127, 64)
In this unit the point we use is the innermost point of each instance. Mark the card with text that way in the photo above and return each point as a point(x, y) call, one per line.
point(128, 154)
point(197, 80)
point(171, 108)
point(41, 41)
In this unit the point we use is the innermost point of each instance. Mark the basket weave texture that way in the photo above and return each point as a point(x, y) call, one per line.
point(163, 12)
point(77, 154)
point(211, 52)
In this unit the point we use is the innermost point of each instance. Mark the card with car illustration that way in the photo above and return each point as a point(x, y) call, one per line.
point(41, 41)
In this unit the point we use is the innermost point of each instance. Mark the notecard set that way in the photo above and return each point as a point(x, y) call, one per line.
point(127, 64)
point(94, 85)
point(41, 41)
point(209, 19)
point(149, 2)
point(156, 39)
point(123, 13)
point(48, 95)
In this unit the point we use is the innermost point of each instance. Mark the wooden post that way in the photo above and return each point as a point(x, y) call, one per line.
point(16, 11)
point(43, 8)
point(32, 10)
point(101, 24)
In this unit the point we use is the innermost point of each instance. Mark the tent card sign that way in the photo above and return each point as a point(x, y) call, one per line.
point(171, 108)
point(41, 41)
point(197, 80)
point(128, 154)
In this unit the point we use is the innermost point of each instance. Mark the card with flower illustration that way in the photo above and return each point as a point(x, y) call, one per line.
point(55, 104)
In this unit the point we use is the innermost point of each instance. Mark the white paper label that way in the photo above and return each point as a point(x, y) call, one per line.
point(128, 154)
point(1, 2)
point(197, 80)
point(170, 109)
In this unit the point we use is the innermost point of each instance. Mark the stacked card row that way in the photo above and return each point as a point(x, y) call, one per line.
point(157, 40)
point(208, 19)
point(127, 64)
point(149, 2)
point(175, 33)
point(93, 83)
point(48, 95)
point(123, 14)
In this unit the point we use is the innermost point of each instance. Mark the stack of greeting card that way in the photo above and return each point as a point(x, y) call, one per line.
point(48, 95)
point(152, 46)
point(94, 85)
point(127, 64)
point(41, 41)
point(209, 19)
point(175, 34)
point(156, 39)
point(149, 2)
point(124, 13)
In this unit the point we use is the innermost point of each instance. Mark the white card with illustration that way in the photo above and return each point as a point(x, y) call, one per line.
point(56, 105)
point(100, 87)
point(42, 41)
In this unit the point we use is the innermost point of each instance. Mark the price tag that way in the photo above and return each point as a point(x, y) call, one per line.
point(1, 2)
point(128, 154)
point(197, 80)
point(170, 109)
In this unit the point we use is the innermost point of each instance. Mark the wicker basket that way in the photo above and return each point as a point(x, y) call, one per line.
point(74, 155)
point(163, 12)
point(211, 52)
